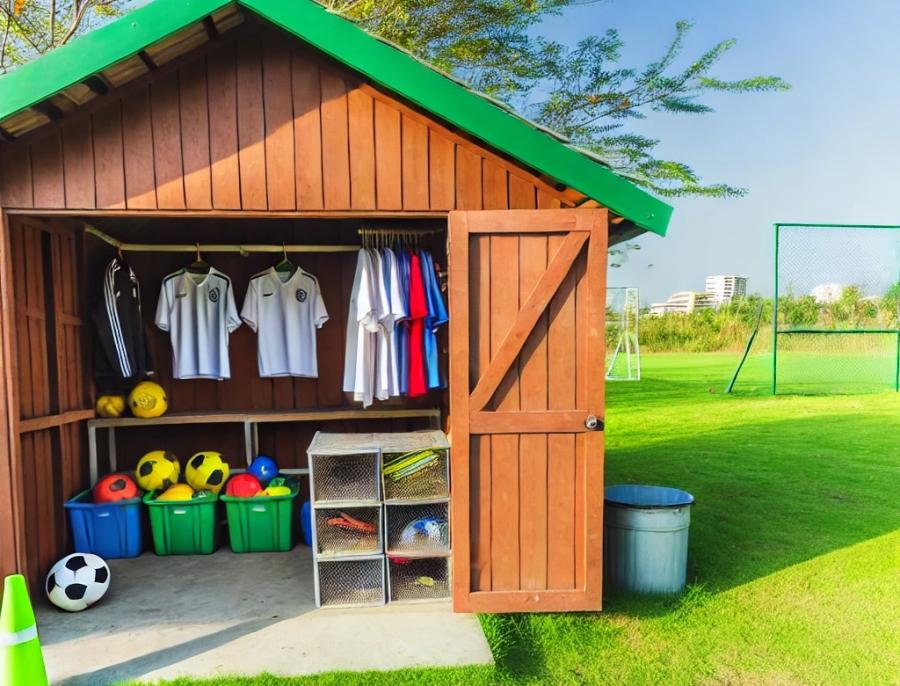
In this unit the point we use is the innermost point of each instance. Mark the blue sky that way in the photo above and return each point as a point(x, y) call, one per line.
point(828, 150)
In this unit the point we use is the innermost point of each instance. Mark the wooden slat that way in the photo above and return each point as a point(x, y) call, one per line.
point(108, 163)
point(55, 420)
point(462, 502)
point(529, 422)
point(530, 312)
point(15, 178)
point(388, 162)
point(442, 171)
point(335, 141)
point(468, 180)
point(361, 122)
point(78, 157)
point(251, 124)
point(511, 221)
point(279, 119)
point(223, 136)
point(307, 133)
point(414, 145)
point(167, 143)
point(47, 171)
point(529, 601)
point(194, 111)
point(140, 180)
point(239, 417)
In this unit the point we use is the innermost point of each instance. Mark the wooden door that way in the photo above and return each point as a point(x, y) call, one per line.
point(526, 408)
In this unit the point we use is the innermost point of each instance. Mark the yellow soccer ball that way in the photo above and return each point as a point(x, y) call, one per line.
point(110, 405)
point(147, 400)
point(207, 471)
point(275, 490)
point(157, 470)
point(177, 492)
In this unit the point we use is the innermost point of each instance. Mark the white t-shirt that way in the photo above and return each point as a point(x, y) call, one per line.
point(359, 359)
point(199, 313)
point(390, 310)
point(285, 314)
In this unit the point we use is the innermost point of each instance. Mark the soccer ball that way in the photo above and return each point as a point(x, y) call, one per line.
point(147, 400)
point(207, 471)
point(77, 581)
point(115, 487)
point(110, 405)
point(157, 470)
point(177, 492)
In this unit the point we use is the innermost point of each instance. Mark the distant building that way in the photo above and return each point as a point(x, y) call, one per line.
point(684, 302)
point(724, 288)
point(827, 293)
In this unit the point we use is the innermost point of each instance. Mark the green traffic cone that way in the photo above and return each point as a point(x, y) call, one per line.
point(21, 662)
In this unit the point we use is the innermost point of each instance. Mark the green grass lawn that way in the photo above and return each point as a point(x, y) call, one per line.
point(794, 554)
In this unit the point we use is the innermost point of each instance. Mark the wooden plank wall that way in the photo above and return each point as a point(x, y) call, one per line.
point(51, 380)
point(256, 123)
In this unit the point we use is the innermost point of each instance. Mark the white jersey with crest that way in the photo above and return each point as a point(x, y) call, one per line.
point(199, 312)
point(285, 310)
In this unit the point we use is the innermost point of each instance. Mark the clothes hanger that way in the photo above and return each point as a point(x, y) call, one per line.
point(199, 266)
point(285, 266)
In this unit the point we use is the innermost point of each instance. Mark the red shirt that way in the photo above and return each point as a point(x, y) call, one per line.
point(418, 310)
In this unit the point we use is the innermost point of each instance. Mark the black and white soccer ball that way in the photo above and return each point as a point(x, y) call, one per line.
point(77, 581)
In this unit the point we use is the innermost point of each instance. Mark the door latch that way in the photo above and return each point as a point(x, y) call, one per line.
point(592, 423)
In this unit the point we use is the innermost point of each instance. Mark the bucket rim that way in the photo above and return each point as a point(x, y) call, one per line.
point(647, 496)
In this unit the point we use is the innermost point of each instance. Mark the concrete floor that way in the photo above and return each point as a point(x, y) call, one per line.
point(201, 616)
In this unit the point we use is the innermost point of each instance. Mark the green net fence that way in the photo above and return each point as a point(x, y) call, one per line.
point(837, 303)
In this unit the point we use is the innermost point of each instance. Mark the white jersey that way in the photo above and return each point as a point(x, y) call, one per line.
point(286, 315)
point(199, 313)
point(359, 358)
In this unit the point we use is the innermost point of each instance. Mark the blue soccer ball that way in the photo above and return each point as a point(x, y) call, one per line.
point(263, 468)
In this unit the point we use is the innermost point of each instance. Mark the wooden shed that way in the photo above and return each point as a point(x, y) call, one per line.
point(264, 122)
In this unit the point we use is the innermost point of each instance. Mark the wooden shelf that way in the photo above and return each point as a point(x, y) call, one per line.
point(240, 417)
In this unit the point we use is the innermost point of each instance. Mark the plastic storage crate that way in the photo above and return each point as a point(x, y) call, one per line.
point(184, 527)
point(345, 477)
point(418, 579)
point(340, 539)
point(350, 582)
point(416, 475)
point(110, 530)
point(420, 529)
point(262, 524)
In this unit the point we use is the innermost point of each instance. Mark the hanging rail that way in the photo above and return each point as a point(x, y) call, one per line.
point(243, 248)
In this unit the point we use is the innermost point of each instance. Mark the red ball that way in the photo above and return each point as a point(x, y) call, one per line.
point(114, 487)
point(243, 486)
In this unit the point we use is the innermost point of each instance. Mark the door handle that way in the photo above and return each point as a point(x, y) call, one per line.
point(593, 423)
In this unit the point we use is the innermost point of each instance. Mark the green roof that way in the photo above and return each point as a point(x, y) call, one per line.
point(380, 62)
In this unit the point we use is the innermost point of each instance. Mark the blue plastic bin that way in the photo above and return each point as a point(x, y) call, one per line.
point(306, 523)
point(110, 530)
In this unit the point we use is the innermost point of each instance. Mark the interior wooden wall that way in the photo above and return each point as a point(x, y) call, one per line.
point(254, 123)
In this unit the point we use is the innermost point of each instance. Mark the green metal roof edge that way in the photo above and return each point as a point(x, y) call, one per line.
point(95, 51)
point(347, 43)
point(398, 72)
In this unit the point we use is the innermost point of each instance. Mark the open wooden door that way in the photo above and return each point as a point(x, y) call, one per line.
point(527, 343)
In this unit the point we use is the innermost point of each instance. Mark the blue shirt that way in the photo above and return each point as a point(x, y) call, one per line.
point(437, 315)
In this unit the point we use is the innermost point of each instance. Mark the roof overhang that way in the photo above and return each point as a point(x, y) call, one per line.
point(29, 88)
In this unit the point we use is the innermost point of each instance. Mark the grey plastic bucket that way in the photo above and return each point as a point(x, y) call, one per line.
point(645, 534)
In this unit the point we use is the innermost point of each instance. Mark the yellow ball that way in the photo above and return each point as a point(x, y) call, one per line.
point(110, 405)
point(276, 490)
point(147, 400)
point(207, 471)
point(177, 492)
point(157, 470)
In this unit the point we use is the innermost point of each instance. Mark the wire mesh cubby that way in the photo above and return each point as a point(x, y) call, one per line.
point(343, 478)
point(415, 580)
point(350, 582)
point(417, 529)
point(342, 531)
point(421, 474)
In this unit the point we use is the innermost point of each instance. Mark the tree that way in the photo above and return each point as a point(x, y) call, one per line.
point(584, 91)
point(32, 27)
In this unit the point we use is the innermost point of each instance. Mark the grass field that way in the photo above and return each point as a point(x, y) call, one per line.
point(794, 555)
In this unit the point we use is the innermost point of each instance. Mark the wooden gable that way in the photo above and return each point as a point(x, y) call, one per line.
point(257, 123)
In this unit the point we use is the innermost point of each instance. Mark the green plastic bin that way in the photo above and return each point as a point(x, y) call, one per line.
point(184, 527)
point(262, 524)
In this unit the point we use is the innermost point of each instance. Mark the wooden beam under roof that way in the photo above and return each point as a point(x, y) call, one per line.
point(48, 109)
point(210, 25)
point(147, 60)
point(97, 84)
point(6, 136)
